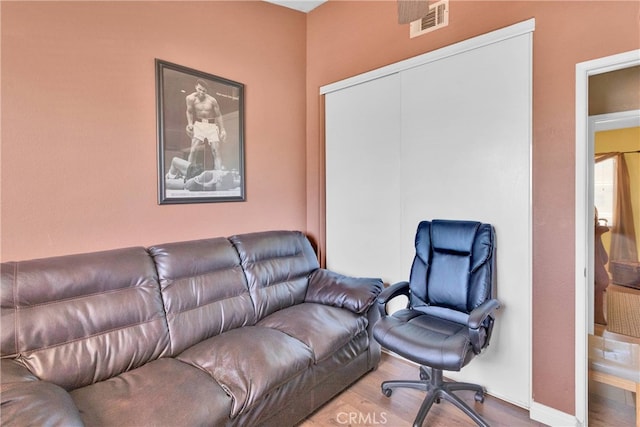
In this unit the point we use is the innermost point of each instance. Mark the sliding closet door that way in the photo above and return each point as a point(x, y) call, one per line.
point(362, 178)
point(465, 155)
point(443, 135)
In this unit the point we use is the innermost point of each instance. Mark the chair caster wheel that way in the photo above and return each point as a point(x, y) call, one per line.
point(479, 397)
point(387, 391)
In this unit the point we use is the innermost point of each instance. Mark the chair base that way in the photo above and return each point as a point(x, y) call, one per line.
point(431, 381)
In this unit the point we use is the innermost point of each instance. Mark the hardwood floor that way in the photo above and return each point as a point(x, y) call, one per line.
point(363, 404)
point(610, 406)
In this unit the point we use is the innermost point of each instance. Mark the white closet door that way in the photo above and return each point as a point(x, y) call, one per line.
point(465, 155)
point(443, 135)
point(363, 180)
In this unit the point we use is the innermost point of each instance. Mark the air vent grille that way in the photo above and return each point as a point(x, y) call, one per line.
point(437, 17)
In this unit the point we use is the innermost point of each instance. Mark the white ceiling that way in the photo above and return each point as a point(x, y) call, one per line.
point(301, 5)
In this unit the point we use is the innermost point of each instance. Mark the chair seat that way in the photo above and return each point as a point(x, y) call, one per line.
point(425, 339)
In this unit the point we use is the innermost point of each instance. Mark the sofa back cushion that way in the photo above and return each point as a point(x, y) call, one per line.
point(277, 265)
point(78, 319)
point(204, 290)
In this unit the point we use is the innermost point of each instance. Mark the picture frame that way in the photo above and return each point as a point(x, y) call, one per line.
point(200, 119)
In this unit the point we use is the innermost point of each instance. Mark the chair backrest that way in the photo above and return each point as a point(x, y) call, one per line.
point(454, 265)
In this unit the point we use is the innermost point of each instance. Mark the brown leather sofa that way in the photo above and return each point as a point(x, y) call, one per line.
point(240, 331)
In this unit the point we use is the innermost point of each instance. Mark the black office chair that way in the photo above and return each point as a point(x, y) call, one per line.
point(450, 313)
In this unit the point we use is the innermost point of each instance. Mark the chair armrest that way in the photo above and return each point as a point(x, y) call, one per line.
point(26, 400)
point(395, 290)
point(480, 313)
point(481, 324)
point(353, 293)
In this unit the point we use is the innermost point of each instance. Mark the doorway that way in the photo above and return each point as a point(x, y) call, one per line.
point(584, 218)
point(614, 297)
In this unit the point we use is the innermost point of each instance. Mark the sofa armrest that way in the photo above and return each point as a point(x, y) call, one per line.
point(25, 400)
point(14, 372)
point(353, 293)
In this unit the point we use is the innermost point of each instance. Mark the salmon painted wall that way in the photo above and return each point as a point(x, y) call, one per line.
point(346, 38)
point(79, 120)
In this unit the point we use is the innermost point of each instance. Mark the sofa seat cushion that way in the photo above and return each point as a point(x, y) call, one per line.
point(249, 362)
point(165, 392)
point(324, 329)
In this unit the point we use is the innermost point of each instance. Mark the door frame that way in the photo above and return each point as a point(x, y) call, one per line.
point(584, 211)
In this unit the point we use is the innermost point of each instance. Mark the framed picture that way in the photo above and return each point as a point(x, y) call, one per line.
point(200, 136)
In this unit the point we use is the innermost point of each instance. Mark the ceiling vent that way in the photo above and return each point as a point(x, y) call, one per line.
point(437, 17)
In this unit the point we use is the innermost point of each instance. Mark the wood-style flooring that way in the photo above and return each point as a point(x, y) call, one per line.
point(610, 406)
point(364, 405)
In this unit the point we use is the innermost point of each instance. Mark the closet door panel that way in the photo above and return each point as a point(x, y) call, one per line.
point(446, 134)
point(362, 178)
point(465, 155)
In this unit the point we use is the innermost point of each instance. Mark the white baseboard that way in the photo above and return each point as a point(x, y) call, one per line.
point(551, 417)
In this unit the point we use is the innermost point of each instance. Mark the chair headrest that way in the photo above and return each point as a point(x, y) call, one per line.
point(453, 236)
